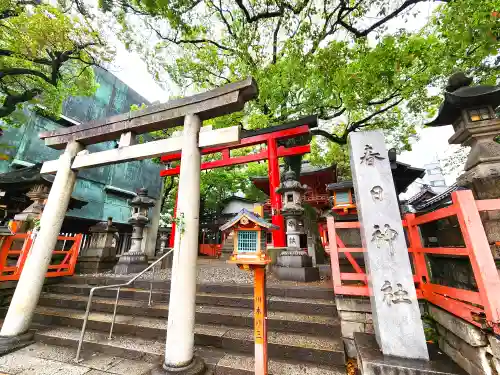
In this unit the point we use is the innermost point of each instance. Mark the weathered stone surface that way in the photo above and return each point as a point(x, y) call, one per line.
point(213, 103)
point(352, 316)
point(348, 328)
point(347, 303)
point(394, 303)
point(10, 343)
point(350, 347)
point(466, 364)
point(477, 354)
point(466, 331)
point(494, 345)
point(371, 361)
point(304, 274)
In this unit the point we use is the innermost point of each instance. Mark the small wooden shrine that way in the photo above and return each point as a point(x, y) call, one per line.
point(250, 233)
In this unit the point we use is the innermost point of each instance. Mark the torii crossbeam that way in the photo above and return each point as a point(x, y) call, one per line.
point(190, 111)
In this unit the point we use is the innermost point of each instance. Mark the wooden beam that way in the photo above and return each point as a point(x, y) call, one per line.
point(226, 136)
point(220, 101)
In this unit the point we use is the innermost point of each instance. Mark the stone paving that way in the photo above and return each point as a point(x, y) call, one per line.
point(42, 359)
point(219, 271)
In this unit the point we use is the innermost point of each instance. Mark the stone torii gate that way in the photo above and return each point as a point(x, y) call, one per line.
point(190, 111)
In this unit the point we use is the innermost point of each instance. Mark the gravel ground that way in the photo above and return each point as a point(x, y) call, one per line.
point(212, 271)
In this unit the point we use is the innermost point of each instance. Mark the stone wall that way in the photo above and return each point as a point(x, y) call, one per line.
point(355, 316)
point(476, 351)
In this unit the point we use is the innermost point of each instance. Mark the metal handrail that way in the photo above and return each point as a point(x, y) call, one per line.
point(118, 287)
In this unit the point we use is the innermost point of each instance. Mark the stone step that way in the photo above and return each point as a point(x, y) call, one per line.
point(218, 361)
point(311, 291)
point(275, 303)
point(230, 316)
point(293, 346)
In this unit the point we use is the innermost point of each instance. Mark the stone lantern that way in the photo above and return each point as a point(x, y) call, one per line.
point(471, 111)
point(294, 263)
point(38, 194)
point(135, 260)
point(101, 254)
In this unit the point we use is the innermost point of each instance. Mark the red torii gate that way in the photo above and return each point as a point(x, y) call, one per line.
point(270, 137)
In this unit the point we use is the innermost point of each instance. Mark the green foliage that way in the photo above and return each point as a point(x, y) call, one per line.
point(45, 56)
point(333, 58)
point(315, 58)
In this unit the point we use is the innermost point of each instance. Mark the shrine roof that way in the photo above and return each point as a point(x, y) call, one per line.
point(309, 175)
point(339, 185)
point(253, 217)
point(22, 179)
point(421, 195)
point(404, 175)
point(440, 200)
point(458, 95)
point(25, 176)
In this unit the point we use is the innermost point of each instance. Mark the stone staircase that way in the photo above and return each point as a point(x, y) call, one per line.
point(304, 330)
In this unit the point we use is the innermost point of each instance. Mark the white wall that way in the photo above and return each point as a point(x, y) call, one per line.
point(235, 206)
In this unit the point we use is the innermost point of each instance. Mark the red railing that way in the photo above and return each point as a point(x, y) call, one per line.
point(212, 250)
point(481, 307)
point(15, 249)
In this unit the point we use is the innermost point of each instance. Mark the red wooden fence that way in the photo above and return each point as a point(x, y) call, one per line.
point(12, 258)
point(212, 250)
point(481, 308)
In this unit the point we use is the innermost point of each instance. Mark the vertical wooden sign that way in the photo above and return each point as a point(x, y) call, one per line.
point(259, 316)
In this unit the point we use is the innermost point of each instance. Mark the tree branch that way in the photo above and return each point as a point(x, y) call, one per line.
point(24, 71)
point(12, 100)
point(275, 41)
point(362, 33)
point(331, 137)
point(271, 14)
point(190, 41)
point(385, 100)
point(359, 124)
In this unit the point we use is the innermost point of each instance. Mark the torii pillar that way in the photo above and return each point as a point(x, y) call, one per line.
point(179, 351)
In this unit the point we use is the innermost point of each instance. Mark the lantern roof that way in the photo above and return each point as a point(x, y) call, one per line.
point(342, 185)
point(142, 199)
point(459, 95)
point(290, 183)
point(253, 217)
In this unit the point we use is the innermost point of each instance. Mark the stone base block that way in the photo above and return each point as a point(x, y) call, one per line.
point(295, 259)
point(371, 361)
point(167, 261)
point(10, 343)
point(128, 268)
point(274, 252)
point(466, 331)
point(131, 262)
point(196, 367)
point(94, 264)
point(304, 274)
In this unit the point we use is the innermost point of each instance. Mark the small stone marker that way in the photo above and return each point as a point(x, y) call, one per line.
point(396, 314)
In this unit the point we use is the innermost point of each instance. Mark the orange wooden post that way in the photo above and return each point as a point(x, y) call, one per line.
point(418, 256)
point(334, 252)
point(483, 265)
point(260, 316)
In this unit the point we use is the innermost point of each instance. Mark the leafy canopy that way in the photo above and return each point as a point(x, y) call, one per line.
point(45, 56)
point(346, 61)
